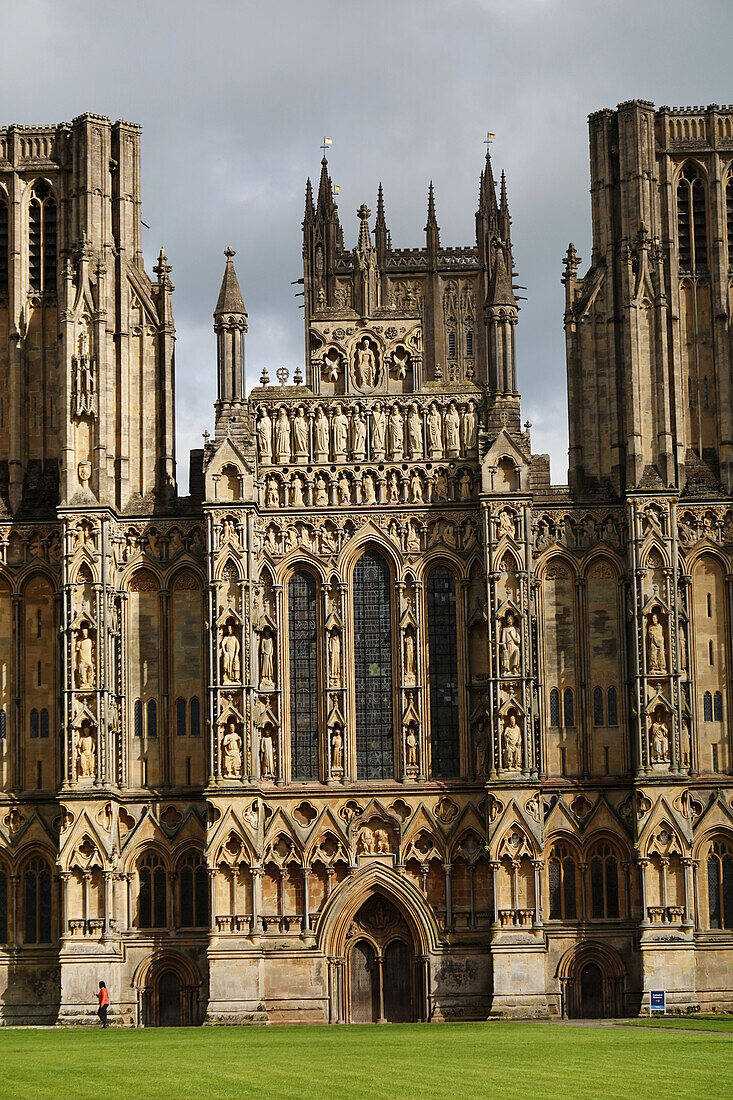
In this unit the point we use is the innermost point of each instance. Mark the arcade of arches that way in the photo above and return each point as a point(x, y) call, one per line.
point(376, 723)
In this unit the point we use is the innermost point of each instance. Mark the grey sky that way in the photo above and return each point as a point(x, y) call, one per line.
point(234, 99)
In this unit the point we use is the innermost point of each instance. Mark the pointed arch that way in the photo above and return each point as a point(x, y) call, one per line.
point(373, 615)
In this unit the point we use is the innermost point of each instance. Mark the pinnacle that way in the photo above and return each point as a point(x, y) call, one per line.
point(230, 296)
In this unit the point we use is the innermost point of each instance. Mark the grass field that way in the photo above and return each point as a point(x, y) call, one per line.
point(688, 1023)
point(504, 1061)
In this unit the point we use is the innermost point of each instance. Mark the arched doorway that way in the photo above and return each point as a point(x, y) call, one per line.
point(169, 999)
point(591, 992)
point(382, 976)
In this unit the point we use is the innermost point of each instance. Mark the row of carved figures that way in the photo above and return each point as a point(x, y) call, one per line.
point(367, 487)
point(378, 433)
point(329, 539)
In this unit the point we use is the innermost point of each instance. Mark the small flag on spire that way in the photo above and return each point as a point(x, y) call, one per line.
point(489, 138)
point(336, 189)
point(326, 143)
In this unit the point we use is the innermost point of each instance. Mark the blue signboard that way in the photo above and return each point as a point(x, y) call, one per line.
point(657, 1001)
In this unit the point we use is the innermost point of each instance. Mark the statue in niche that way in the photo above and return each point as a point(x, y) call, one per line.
point(84, 659)
point(321, 500)
point(328, 542)
point(452, 431)
point(379, 431)
point(412, 540)
point(271, 544)
point(300, 435)
point(512, 743)
point(321, 298)
point(481, 747)
point(469, 534)
point(340, 428)
point(365, 367)
point(291, 539)
point(231, 751)
point(381, 841)
point(282, 436)
point(465, 486)
point(507, 526)
point(334, 657)
point(660, 738)
point(230, 650)
point(394, 488)
point(320, 435)
point(365, 844)
point(657, 653)
point(264, 437)
point(414, 432)
point(85, 751)
point(358, 434)
point(259, 614)
point(440, 485)
point(396, 432)
point(470, 429)
point(370, 496)
point(409, 652)
point(411, 746)
point(435, 432)
point(400, 360)
point(683, 647)
point(267, 651)
point(267, 753)
point(344, 489)
point(510, 646)
point(337, 750)
point(228, 531)
point(273, 493)
point(416, 487)
point(296, 492)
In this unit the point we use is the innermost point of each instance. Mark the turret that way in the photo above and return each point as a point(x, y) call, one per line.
point(230, 326)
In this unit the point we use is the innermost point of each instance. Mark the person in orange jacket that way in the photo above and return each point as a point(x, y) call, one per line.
point(103, 998)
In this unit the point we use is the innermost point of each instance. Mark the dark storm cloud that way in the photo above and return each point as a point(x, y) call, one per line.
point(234, 99)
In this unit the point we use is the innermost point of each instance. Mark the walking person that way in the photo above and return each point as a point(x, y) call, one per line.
point(103, 998)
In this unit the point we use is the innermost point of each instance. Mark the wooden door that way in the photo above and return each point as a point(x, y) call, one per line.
point(397, 971)
point(169, 1000)
point(591, 992)
point(364, 1008)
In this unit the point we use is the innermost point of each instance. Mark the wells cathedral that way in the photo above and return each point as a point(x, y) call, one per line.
point(376, 724)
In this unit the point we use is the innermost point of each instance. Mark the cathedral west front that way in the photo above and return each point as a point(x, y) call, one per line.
point(376, 723)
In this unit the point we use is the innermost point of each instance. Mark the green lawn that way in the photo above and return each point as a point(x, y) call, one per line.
point(500, 1060)
point(687, 1023)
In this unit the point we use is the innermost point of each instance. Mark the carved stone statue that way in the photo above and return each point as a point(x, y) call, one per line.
point(296, 492)
point(470, 429)
point(369, 493)
point(409, 650)
point(344, 489)
point(465, 486)
point(412, 539)
point(365, 368)
point(481, 747)
point(379, 431)
point(273, 493)
point(337, 750)
point(510, 646)
point(660, 739)
point(267, 649)
point(394, 488)
point(85, 751)
point(416, 487)
point(340, 429)
point(84, 659)
point(282, 437)
point(435, 432)
point(358, 434)
point(657, 652)
point(381, 841)
point(264, 437)
point(231, 751)
point(259, 614)
point(440, 485)
point(300, 435)
point(396, 433)
point(321, 500)
point(411, 746)
point(506, 525)
point(452, 431)
point(230, 650)
point(414, 432)
point(334, 657)
point(512, 743)
point(267, 753)
point(320, 435)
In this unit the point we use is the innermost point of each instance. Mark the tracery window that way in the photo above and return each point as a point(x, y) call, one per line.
point(597, 707)
point(37, 899)
point(4, 257)
point(451, 345)
point(604, 882)
point(469, 344)
point(443, 672)
point(718, 707)
point(568, 707)
point(554, 707)
point(152, 903)
point(303, 642)
point(194, 892)
point(152, 718)
point(35, 723)
point(137, 711)
point(42, 239)
point(180, 717)
point(691, 221)
point(195, 711)
point(373, 667)
point(561, 879)
point(707, 707)
point(612, 707)
point(720, 884)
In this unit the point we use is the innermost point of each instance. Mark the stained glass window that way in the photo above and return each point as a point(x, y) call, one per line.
point(373, 668)
point(443, 668)
point(152, 904)
point(554, 707)
point(194, 892)
point(303, 639)
point(720, 885)
point(37, 902)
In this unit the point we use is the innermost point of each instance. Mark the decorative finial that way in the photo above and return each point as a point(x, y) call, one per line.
point(298, 377)
point(229, 252)
point(264, 377)
point(282, 374)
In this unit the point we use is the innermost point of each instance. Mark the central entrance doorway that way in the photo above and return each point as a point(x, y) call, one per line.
point(381, 965)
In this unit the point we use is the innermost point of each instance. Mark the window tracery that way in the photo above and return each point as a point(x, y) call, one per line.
point(720, 884)
point(604, 886)
point(303, 645)
point(373, 667)
point(42, 240)
point(37, 900)
point(561, 879)
point(692, 221)
point(152, 902)
point(443, 672)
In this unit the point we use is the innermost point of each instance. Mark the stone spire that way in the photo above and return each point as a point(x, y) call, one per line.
point(381, 233)
point(432, 230)
point(230, 325)
point(310, 210)
point(230, 295)
point(365, 267)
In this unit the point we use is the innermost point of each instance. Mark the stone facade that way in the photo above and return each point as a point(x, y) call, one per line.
point(376, 723)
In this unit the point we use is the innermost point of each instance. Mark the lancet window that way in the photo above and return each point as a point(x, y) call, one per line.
point(152, 905)
point(720, 884)
point(303, 640)
point(604, 882)
point(443, 671)
point(194, 892)
point(42, 240)
point(373, 667)
point(4, 255)
point(692, 221)
point(561, 877)
point(37, 901)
